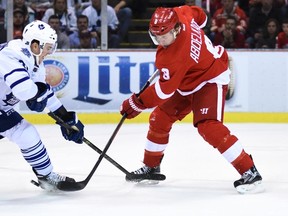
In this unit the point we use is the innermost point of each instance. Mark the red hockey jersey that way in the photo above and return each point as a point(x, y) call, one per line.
point(189, 62)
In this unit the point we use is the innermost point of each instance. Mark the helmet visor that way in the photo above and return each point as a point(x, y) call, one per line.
point(153, 38)
point(163, 40)
point(48, 48)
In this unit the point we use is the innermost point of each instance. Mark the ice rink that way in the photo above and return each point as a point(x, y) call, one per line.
point(199, 181)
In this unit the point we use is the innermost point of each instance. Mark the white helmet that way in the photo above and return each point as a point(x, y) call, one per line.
point(42, 32)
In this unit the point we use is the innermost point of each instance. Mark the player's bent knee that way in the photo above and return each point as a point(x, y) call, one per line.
point(158, 136)
point(160, 125)
point(216, 134)
point(25, 136)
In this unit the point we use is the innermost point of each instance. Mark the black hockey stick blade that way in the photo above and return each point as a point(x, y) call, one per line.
point(71, 186)
point(66, 186)
point(76, 186)
point(150, 176)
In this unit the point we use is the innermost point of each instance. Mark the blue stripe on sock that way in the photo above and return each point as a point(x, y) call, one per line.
point(37, 156)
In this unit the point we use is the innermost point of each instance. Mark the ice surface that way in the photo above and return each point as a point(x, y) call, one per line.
point(199, 180)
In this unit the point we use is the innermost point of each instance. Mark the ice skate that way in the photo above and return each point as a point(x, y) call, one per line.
point(250, 182)
point(51, 181)
point(146, 175)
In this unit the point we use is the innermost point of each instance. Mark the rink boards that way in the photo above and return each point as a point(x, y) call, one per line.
point(94, 84)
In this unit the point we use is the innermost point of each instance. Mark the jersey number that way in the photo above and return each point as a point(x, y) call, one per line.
point(216, 51)
point(166, 74)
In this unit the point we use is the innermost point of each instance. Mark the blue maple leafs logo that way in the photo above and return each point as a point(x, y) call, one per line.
point(41, 26)
point(26, 52)
point(10, 100)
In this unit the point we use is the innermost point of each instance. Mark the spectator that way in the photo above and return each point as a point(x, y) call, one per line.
point(253, 3)
point(244, 5)
point(62, 39)
point(39, 6)
point(93, 12)
point(18, 23)
point(78, 5)
point(66, 15)
point(270, 33)
point(214, 6)
point(258, 16)
point(230, 37)
point(29, 15)
point(282, 38)
point(82, 25)
point(190, 2)
point(85, 40)
point(229, 9)
point(124, 15)
point(3, 4)
point(207, 28)
point(284, 9)
point(29, 12)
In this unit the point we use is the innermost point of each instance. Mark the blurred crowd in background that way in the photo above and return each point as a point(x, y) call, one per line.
point(231, 23)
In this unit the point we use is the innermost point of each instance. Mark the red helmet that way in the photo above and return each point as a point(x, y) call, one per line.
point(162, 21)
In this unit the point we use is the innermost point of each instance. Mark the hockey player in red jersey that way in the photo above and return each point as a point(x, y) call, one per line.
point(193, 78)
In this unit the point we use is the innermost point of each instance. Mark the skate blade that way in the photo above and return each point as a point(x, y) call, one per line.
point(147, 182)
point(46, 187)
point(256, 187)
point(35, 183)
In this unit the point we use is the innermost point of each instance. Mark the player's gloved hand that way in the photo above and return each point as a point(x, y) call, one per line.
point(39, 101)
point(132, 107)
point(77, 133)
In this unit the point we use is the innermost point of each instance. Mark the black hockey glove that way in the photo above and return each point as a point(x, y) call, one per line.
point(76, 133)
point(37, 103)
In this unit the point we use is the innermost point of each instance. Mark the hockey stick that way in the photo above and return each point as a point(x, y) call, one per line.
point(90, 144)
point(60, 121)
point(231, 84)
point(68, 127)
point(76, 186)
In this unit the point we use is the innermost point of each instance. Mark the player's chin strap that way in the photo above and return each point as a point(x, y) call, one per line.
point(90, 144)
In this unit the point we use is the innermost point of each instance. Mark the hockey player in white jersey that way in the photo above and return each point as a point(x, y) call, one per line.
point(22, 78)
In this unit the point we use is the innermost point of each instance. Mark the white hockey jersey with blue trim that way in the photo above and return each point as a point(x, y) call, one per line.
point(18, 74)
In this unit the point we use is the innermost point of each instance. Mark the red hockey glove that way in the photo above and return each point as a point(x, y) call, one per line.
point(132, 107)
